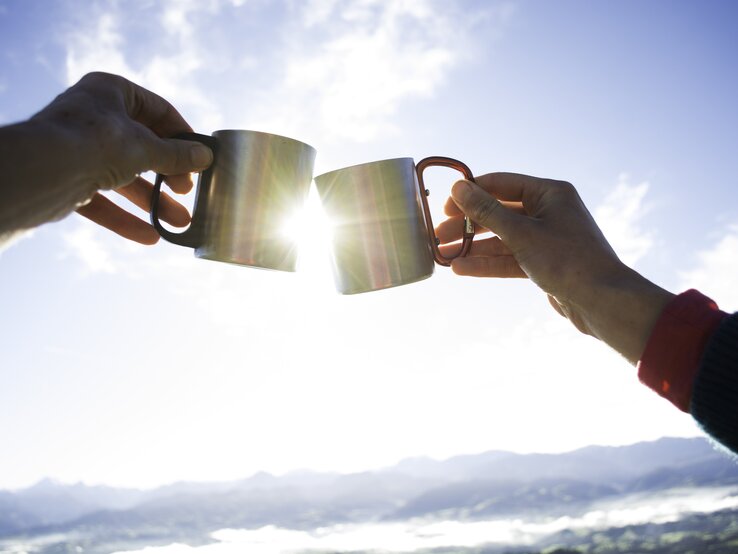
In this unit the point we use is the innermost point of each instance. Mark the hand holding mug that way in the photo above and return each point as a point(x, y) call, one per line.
point(544, 232)
point(119, 130)
point(255, 185)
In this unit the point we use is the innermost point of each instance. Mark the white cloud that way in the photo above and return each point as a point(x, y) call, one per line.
point(620, 216)
point(716, 272)
point(427, 534)
point(97, 49)
point(334, 69)
point(368, 58)
point(169, 71)
point(84, 243)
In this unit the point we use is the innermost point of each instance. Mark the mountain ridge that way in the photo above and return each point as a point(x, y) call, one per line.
point(469, 486)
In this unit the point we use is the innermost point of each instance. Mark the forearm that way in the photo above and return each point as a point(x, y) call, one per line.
point(41, 179)
point(621, 310)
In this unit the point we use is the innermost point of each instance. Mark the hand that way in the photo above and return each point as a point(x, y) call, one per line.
point(544, 232)
point(120, 131)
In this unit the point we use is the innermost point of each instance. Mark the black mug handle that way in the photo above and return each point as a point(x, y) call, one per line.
point(193, 236)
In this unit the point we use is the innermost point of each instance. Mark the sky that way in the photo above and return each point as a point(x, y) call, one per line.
point(139, 366)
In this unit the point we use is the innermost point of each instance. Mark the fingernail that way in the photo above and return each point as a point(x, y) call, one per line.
point(461, 190)
point(200, 156)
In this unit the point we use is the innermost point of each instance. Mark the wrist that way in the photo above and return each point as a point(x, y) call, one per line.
point(67, 156)
point(33, 192)
point(621, 308)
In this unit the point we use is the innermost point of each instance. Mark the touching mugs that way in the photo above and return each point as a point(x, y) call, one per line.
point(256, 183)
point(383, 234)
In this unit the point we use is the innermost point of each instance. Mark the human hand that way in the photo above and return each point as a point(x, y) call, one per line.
point(544, 232)
point(120, 131)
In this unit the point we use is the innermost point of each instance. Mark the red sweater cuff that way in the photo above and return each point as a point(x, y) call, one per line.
point(672, 356)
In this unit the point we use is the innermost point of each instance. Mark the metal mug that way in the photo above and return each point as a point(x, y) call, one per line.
point(256, 182)
point(383, 234)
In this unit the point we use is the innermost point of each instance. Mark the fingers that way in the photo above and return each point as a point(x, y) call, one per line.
point(139, 192)
point(488, 266)
point(141, 105)
point(175, 157)
point(111, 216)
point(153, 111)
point(487, 258)
point(451, 209)
point(106, 213)
point(170, 157)
point(510, 186)
point(492, 246)
point(181, 184)
point(152, 119)
point(485, 210)
point(453, 229)
point(506, 187)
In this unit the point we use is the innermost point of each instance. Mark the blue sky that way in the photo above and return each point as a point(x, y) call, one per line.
point(139, 366)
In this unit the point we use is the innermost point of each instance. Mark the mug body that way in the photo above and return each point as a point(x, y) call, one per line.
point(259, 181)
point(380, 238)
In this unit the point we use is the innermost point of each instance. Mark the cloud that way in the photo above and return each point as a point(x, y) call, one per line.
point(84, 243)
point(716, 271)
point(99, 48)
point(349, 65)
point(620, 216)
point(427, 534)
point(169, 71)
point(334, 68)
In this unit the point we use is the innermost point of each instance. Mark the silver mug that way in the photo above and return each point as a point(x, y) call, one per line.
point(256, 182)
point(383, 234)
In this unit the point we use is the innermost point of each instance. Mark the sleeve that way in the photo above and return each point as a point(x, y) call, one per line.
point(715, 397)
point(674, 352)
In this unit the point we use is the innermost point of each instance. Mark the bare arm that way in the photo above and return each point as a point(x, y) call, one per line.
point(98, 135)
point(545, 232)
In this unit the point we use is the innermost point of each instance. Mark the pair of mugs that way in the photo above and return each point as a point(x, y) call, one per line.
point(383, 233)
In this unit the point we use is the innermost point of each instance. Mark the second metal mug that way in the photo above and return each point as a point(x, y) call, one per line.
point(257, 181)
point(383, 233)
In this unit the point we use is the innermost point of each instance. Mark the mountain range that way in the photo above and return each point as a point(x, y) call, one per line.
point(470, 487)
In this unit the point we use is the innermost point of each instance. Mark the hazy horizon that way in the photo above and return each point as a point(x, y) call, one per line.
point(306, 470)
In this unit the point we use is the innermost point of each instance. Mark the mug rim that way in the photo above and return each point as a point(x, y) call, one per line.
point(264, 133)
point(356, 166)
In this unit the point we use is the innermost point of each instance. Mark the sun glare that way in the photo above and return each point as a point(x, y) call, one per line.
point(311, 230)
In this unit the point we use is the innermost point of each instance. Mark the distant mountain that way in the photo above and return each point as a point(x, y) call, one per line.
point(13, 516)
point(472, 487)
point(593, 463)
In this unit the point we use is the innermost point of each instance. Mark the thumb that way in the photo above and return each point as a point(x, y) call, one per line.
point(176, 157)
point(484, 209)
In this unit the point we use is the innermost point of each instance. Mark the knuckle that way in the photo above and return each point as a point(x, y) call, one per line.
point(99, 77)
point(564, 187)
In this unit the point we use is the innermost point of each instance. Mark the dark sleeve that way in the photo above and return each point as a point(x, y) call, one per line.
point(715, 393)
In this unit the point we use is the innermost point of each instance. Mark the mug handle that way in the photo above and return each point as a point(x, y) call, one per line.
point(193, 235)
point(468, 235)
